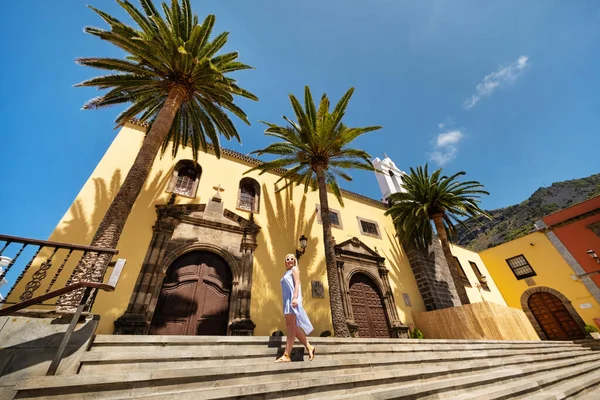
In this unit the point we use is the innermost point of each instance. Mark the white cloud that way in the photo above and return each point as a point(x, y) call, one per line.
point(441, 126)
point(444, 156)
point(448, 138)
point(445, 146)
point(506, 74)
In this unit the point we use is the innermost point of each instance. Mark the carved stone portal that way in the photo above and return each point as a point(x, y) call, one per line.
point(180, 229)
point(354, 257)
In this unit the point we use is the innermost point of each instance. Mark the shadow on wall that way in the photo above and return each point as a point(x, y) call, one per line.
point(30, 344)
point(396, 261)
point(80, 225)
point(286, 222)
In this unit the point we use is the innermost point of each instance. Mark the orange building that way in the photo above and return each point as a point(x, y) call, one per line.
point(575, 232)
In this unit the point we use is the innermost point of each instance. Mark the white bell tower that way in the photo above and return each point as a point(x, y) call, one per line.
point(389, 177)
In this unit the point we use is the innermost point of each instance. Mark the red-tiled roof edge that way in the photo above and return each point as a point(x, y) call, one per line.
point(256, 161)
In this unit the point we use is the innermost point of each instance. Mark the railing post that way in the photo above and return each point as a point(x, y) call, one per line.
point(111, 284)
point(63, 344)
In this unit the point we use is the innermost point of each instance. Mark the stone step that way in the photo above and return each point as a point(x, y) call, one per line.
point(118, 342)
point(274, 372)
point(476, 386)
point(414, 346)
point(131, 361)
point(541, 385)
point(301, 379)
point(423, 384)
point(226, 351)
point(216, 346)
point(588, 380)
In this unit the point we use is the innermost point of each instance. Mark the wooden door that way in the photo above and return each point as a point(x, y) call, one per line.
point(367, 308)
point(553, 317)
point(194, 299)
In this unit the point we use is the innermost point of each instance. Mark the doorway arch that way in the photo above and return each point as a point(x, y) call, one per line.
point(194, 297)
point(368, 308)
point(552, 314)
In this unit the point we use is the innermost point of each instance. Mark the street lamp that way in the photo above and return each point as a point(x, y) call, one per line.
point(593, 254)
point(303, 243)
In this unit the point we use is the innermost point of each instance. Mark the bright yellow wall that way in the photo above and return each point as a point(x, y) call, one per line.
point(551, 269)
point(283, 218)
point(476, 295)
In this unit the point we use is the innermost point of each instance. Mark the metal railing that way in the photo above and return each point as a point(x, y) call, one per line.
point(49, 259)
point(43, 254)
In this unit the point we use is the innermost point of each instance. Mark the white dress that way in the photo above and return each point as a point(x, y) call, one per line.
point(287, 288)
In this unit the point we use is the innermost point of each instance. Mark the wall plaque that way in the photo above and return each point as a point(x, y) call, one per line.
point(318, 291)
point(407, 301)
point(530, 282)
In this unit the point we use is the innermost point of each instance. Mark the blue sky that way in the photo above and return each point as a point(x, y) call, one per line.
point(507, 91)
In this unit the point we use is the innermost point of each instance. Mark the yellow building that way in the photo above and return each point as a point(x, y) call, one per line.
point(532, 275)
point(205, 247)
point(477, 279)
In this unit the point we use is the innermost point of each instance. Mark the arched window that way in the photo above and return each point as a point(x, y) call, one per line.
point(249, 195)
point(185, 179)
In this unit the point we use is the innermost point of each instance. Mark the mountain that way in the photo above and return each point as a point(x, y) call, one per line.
point(515, 221)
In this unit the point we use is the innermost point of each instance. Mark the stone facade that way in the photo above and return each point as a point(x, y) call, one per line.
point(180, 229)
point(353, 257)
point(433, 277)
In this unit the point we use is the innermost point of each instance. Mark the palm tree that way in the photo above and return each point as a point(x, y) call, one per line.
point(442, 199)
point(174, 80)
point(315, 150)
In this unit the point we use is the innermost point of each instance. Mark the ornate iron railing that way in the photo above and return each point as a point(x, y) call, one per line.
point(49, 260)
point(42, 255)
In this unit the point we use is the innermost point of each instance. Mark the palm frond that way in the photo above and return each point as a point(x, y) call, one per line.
point(170, 48)
point(313, 140)
point(433, 194)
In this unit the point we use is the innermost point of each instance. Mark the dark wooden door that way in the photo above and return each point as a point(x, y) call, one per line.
point(367, 308)
point(194, 299)
point(554, 318)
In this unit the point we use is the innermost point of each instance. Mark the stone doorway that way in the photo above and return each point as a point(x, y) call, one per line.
point(223, 244)
point(367, 308)
point(552, 315)
point(362, 272)
point(194, 299)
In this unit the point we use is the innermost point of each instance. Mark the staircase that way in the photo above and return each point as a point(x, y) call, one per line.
point(200, 367)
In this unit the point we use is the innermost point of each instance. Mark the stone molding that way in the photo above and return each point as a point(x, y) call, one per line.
point(355, 257)
point(180, 229)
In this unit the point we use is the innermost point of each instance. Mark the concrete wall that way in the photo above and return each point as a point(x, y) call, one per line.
point(475, 295)
point(29, 343)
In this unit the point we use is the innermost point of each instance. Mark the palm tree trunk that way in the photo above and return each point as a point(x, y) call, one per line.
point(92, 267)
point(340, 328)
point(458, 284)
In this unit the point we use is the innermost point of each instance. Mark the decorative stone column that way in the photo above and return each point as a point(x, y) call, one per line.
point(399, 330)
point(136, 321)
point(346, 305)
point(242, 325)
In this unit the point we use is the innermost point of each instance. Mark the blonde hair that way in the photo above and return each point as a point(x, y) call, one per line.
point(295, 260)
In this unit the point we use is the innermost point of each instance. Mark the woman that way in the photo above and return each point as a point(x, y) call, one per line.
point(297, 323)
